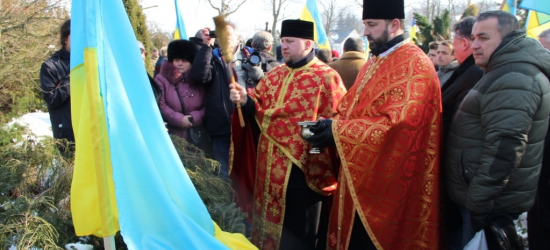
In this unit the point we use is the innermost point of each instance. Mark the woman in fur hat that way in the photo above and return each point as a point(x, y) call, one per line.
point(177, 88)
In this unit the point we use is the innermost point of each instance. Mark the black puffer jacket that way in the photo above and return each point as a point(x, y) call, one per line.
point(495, 145)
point(456, 88)
point(55, 84)
point(210, 70)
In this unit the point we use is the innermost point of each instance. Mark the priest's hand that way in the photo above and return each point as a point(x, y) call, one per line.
point(322, 137)
point(237, 94)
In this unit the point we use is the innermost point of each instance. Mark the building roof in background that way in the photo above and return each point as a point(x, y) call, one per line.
point(339, 36)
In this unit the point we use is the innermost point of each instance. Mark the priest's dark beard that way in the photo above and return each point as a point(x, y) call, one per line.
point(380, 41)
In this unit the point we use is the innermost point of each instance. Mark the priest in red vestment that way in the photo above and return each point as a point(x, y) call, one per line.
point(387, 133)
point(291, 184)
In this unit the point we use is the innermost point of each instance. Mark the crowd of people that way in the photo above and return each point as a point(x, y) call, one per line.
point(417, 150)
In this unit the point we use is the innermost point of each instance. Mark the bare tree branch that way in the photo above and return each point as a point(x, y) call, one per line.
point(214, 7)
point(276, 6)
point(227, 7)
point(236, 8)
point(329, 15)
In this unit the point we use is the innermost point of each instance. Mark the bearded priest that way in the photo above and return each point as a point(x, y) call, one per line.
point(387, 133)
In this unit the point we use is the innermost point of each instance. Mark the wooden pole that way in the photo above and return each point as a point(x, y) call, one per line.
point(109, 243)
point(239, 111)
point(221, 32)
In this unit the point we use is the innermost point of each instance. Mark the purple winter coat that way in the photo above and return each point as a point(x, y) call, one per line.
point(192, 96)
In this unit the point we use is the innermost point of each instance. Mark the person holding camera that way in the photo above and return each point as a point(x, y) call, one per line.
point(210, 70)
point(260, 59)
point(182, 102)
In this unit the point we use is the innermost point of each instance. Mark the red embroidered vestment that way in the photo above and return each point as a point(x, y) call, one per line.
point(387, 133)
point(283, 98)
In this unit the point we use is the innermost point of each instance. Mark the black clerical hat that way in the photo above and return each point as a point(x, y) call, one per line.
point(386, 9)
point(297, 28)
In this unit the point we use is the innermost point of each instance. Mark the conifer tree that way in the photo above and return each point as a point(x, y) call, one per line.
point(137, 19)
point(441, 25)
point(471, 10)
point(425, 36)
point(438, 29)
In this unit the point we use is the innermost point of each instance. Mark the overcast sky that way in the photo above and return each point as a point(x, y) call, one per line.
point(197, 14)
point(252, 15)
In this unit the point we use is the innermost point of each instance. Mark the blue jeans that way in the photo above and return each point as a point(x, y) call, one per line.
point(468, 232)
point(457, 239)
point(220, 146)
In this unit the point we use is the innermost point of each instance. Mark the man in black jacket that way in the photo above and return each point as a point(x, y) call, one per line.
point(456, 87)
point(210, 69)
point(55, 85)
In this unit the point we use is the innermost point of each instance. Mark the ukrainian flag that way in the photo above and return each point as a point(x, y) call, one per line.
point(180, 32)
point(412, 31)
point(538, 5)
point(311, 13)
point(509, 6)
point(538, 18)
point(127, 174)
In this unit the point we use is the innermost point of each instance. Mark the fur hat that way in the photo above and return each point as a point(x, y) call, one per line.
point(182, 49)
point(297, 28)
point(387, 9)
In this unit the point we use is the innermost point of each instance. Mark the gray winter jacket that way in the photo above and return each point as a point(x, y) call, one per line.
point(495, 145)
point(445, 72)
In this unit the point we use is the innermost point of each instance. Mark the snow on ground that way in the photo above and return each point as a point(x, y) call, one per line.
point(521, 227)
point(78, 246)
point(37, 123)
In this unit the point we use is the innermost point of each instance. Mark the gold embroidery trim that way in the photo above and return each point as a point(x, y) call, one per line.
point(266, 191)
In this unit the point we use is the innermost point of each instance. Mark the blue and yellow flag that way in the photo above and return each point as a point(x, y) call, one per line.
point(367, 47)
point(311, 13)
point(180, 32)
point(537, 22)
point(413, 31)
point(509, 6)
point(127, 173)
point(538, 5)
point(538, 18)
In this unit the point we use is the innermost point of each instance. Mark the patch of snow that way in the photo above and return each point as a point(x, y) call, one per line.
point(15, 248)
point(78, 246)
point(38, 124)
point(521, 226)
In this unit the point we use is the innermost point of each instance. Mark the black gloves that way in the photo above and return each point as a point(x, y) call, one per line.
point(479, 221)
point(322, 137)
